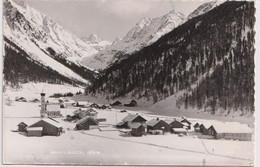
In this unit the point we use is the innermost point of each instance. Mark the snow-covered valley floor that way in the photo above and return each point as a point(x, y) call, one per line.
point(110, 147)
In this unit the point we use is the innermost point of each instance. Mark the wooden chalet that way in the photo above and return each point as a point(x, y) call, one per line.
point(133, 118)
point(138, 129)
point(196, 127)
point(86, 123)
point(22, 127)
point(49, 126)
point(185, 121)
point(204, 128)
point(132, 103)
point(159, 125)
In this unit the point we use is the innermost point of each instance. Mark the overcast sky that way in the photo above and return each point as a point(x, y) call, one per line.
point(107, 18)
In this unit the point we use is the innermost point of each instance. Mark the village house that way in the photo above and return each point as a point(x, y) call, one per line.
point(138, 129)
point(81, 113)
point(204, 128)
point(186, 123)
point(231, 130)
point(130, 119)
point(196, 127)
point(34, 131)
point(175, 123)
point(86, 123)
point(132, 103)
point(53, 110)
point(155, 125)
point(49, 126)
point(22, 127)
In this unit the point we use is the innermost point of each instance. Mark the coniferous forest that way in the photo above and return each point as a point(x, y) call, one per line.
point(208, 62)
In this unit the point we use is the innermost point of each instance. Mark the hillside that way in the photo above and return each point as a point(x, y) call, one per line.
point(48, 52)
point(207, 63)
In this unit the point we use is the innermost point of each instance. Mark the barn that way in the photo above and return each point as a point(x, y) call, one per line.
point(53, 110)
point(231, 130)
point(50, 127)
point(138, 129)
point(157, 124)
point(133, 118)
point(22, 127)
point(34, 131)
point(85, 123)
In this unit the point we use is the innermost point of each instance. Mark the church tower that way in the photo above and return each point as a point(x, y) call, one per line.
point(43, 105)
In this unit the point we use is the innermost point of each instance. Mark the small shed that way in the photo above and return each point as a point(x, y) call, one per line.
point(137, 129)
point(50, 127)
point(22, 127)
point(116, 103)
point(157, 124)
point(85, 123)
point(132, 103)
point(82, 104)
point(34, 131)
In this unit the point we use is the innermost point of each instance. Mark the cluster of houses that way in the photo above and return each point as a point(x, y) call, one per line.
point(138, 126)
point(46, 126)
point(132, 103)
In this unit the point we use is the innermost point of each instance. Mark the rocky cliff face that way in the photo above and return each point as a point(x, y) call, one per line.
point(207, 62)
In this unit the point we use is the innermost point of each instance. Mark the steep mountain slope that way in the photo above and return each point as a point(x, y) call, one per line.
point(43, 42)
point(207, 63)
point(145, 32)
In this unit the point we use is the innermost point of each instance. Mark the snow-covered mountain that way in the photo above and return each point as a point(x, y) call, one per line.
point(96, 42)
point(91, 38)
point(144, 33)
point(44, 41)
point(205, 7)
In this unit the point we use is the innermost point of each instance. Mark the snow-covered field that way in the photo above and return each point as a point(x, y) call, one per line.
point(110, 147)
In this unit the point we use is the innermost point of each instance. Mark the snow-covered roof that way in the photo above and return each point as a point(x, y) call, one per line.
point(82, 102)
point(53, 100)
point(153, 122)
point(130, 117)
point(86, 119)
point(136, 125)
point(52, 122)
point(231, 127)
point(179, 130)
point(53, 107)
point(206, 124)
point(34, 128)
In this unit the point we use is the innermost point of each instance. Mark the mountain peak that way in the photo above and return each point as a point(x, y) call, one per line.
point(205, 7)
point(92, 38)
point(145, 21)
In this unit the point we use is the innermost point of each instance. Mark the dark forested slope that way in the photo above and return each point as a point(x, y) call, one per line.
point(208, 62)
